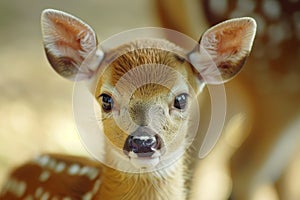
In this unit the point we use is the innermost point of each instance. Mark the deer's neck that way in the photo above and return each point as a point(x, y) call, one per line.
point(167, 183)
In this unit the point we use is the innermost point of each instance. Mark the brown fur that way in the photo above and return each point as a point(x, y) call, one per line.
point(143, 77)
point(148, 94)
point(266, 92)
point(170, 182)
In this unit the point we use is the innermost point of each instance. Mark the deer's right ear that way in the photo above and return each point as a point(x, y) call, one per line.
point(71, 45)
point(223, 50)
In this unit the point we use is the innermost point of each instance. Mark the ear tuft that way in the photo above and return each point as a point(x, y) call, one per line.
point(68, 41)
point(225, 48)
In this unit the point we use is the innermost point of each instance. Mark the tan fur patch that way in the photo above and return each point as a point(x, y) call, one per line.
point(157, 65)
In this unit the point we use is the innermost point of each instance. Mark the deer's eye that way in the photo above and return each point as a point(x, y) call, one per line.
point(180, 101)
point(106, 102)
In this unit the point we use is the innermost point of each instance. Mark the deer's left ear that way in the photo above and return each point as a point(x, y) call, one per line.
point(71, 45)
point(223, 49)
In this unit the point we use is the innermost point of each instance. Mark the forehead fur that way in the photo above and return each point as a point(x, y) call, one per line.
point(144, 52)
point(146, 61)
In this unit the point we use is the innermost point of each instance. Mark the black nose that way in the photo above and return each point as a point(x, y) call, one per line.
point(143, 142)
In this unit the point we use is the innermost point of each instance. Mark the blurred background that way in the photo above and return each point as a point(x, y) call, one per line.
point(36, 104)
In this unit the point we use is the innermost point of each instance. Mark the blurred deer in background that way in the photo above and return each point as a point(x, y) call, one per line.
point(151, 82)
point(268, 92)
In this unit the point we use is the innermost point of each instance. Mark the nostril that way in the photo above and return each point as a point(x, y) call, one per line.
point(150, 142)
point(143, 144)
point(137, 142)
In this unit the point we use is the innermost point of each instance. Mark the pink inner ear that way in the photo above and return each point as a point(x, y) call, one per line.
point(225, 46)
point(68, 38)
point(229, 41)
point(69, 42)
point(67, 32)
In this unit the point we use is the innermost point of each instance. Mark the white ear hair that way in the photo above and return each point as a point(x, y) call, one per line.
point(70, 45)
point(223, 50)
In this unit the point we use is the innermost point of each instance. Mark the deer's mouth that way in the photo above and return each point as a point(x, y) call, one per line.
point(145, 162)
point(144, 148)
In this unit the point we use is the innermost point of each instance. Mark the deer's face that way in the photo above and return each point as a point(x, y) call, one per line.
point(146, 89)
point(146, 96)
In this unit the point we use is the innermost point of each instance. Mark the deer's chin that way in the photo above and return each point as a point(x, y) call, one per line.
point(144, 163)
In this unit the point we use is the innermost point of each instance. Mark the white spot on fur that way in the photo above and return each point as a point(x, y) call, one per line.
point(97, 186)
point(38, 192)
point(89, 172)
point(67, 198)
point(93, 173)
point(44, 176)
point(45, 196)
point(60, 167)
point(84, 170)
point(88, 196)
point(22, 188)
point(74, 169)
point(43, 160)
point(16, 187)
point(52, 163)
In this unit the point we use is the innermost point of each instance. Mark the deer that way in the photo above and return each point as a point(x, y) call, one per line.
point(147, 91)
point(259, 158)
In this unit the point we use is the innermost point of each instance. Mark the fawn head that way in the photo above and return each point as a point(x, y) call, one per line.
point(146, 89)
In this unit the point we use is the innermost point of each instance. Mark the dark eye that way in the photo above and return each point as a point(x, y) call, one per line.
point(180, 101)
point(107, 102)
